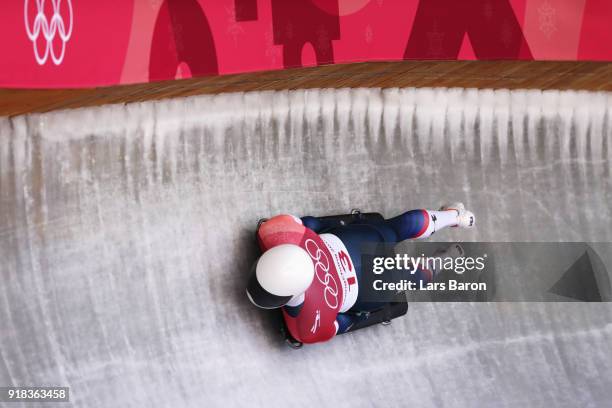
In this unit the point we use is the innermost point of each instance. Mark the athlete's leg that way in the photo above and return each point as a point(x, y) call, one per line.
point(417, 224)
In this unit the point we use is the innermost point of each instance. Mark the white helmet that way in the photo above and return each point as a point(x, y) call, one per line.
point(281, 273)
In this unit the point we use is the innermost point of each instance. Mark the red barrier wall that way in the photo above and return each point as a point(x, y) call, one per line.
point(86, 43)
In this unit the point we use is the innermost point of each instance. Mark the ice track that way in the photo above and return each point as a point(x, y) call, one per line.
point(126, 234)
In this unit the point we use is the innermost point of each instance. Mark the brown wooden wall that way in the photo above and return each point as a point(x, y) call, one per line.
point(479, 74)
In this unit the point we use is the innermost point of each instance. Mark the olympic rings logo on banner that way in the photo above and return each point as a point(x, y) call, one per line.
point(330, 293)
point(50, 30)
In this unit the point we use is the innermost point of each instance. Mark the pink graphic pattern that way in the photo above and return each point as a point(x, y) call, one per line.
point(84, 44)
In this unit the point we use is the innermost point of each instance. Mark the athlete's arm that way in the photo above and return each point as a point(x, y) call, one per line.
point(280, 229)
point(345, 321)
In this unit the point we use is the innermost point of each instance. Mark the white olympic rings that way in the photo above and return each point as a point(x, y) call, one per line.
point(49, 29)
point(330, 293)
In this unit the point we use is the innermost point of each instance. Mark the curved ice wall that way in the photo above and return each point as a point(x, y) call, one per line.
point(126, 233)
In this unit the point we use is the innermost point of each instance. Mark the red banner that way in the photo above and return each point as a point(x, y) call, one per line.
point(86, 43)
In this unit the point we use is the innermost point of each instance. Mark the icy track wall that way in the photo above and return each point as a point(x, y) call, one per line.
point(126, 234)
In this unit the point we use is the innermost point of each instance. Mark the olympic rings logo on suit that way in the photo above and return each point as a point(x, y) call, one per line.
point(330, 293)
point(50, 30)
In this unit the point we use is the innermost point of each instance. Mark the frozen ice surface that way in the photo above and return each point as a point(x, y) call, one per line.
point(126, 234)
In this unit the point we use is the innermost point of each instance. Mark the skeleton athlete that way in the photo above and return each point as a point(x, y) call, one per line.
point(311, 267)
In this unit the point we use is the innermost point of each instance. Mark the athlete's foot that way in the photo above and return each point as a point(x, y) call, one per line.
point(452, 251)
point(465, 218)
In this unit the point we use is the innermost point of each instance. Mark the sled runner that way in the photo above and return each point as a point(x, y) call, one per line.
point(382, 316)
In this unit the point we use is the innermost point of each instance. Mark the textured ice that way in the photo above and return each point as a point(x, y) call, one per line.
point(126, 233)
